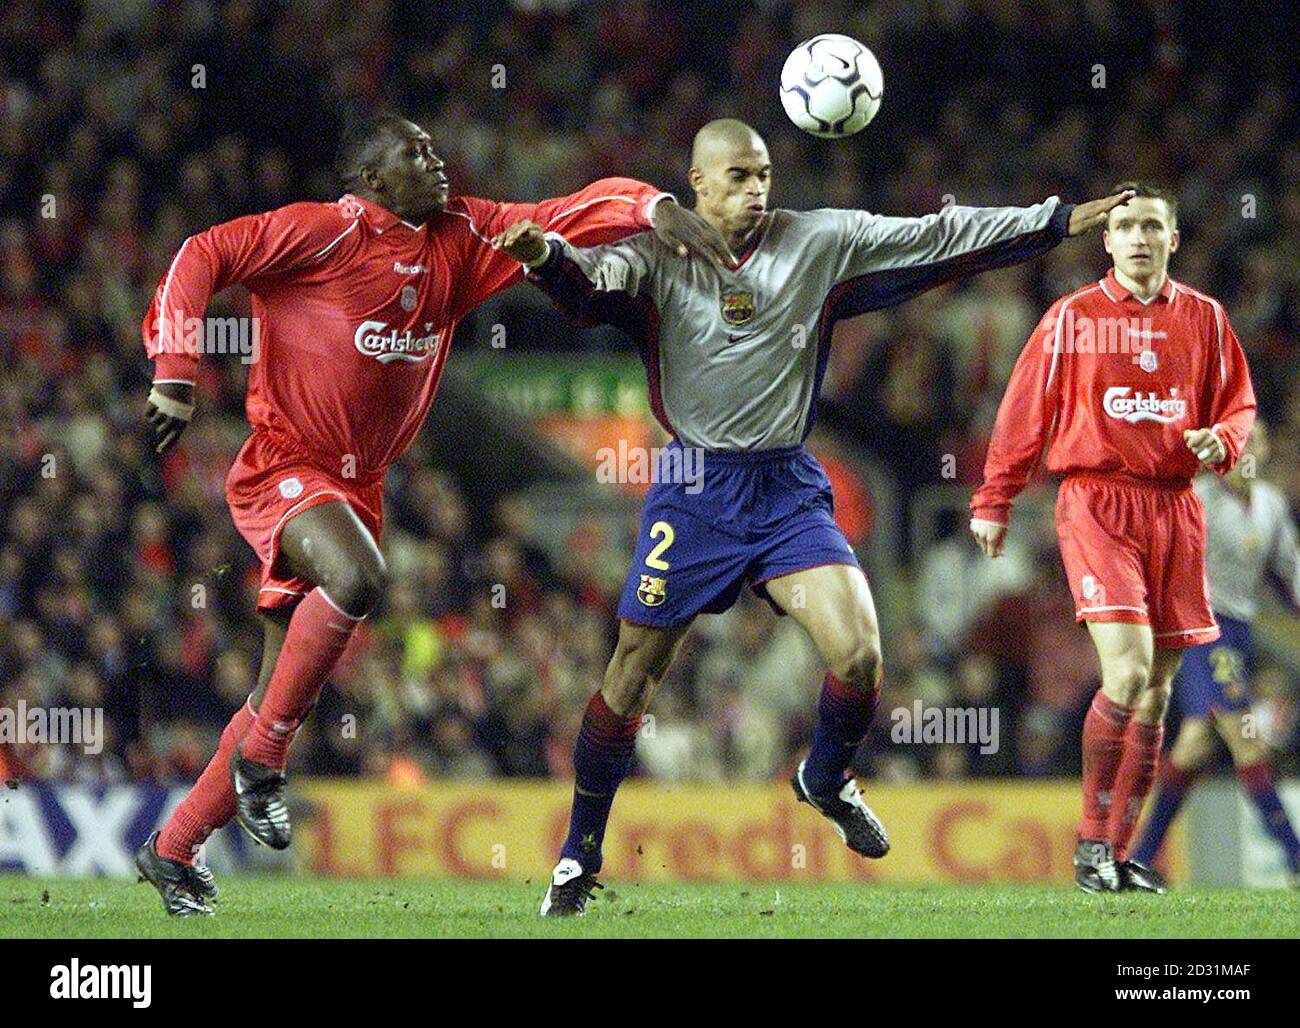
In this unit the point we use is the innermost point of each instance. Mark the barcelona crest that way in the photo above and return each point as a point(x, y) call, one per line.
point(737, 307)
point(651, 591)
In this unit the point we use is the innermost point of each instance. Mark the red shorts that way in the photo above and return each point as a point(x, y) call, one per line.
point(1135, 552)
point(272, 481)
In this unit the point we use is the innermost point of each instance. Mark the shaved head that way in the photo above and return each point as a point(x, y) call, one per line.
point(731, 174)
point(719, 139)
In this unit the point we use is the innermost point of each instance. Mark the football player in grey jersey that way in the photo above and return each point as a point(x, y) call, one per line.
point(735, 352)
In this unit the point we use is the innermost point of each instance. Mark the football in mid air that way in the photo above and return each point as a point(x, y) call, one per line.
point(831, 86)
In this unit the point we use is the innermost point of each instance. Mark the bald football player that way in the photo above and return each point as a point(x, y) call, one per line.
point(735, 353)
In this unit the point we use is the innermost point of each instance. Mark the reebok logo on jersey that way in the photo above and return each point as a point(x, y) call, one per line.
point(1143, 406)
point(409, 269)
point(375, 339)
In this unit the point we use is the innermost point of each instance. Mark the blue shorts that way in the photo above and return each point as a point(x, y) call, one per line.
point(746, 517)
point(1215, 676)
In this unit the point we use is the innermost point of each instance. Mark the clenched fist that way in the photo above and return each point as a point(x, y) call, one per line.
point(1207, 446)
point(990, 536)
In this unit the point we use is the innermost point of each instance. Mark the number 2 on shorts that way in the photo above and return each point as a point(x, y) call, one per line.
point(653, 559)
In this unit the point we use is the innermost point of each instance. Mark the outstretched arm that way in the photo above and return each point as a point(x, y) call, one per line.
point(596, 286)
point(887, 260)
point(603, 212)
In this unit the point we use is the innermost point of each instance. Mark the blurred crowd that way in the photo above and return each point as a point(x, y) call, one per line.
point(127, 125)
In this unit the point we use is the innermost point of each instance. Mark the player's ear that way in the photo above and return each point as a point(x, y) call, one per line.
point(1105, 239)
point(371, 177)
point(1174, 239)
point(696, 179)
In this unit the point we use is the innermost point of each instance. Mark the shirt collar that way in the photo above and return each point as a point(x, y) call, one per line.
point(1110, 285)
point(376, 214)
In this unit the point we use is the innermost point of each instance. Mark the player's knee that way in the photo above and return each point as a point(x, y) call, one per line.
point(1127, 680)
point(1247, 751)
point(1245, 747)
point(861, 666)
point(358, 587)
point(1155, 701)
point(1194, 745)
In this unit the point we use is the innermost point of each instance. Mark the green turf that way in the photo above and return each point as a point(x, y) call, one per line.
point(304, 907)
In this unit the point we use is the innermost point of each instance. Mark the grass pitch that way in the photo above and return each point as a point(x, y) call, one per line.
point(266, 907)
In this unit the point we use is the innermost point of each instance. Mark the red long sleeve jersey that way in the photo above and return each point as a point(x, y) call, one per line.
point(354, 309)
point(1107, 384)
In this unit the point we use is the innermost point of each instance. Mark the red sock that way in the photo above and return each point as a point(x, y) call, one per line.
point(318, 634)
point(1103, 746)
point(1137, 770)
point(210, 803)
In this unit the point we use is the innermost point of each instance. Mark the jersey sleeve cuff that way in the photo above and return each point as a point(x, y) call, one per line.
point(990, 516)
point(1060, 221)
point(534, 265)
point(648, 211)
point(547, 265)
point(176, 367)
point(1229, 459)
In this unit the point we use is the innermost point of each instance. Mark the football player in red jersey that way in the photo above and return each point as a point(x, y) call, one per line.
point(1127, 388)
point(355, 303)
